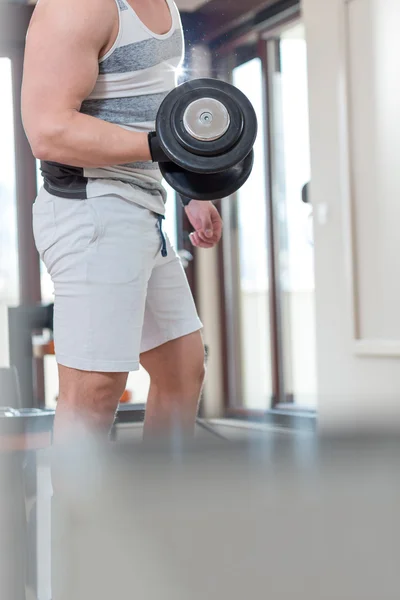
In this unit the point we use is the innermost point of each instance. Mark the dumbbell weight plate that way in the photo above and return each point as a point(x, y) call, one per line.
point(206, 120)
point(211, 186)
point(200, 155)
point(226, 128)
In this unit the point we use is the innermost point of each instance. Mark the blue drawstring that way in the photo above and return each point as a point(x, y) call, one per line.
point(164, 251)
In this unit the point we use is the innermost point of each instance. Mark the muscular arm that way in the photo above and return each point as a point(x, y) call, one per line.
point(64, 42)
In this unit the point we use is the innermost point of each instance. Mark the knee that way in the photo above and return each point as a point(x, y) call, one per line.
point(194, 365)
point(200, 371)
point(185, 374)
point(193, 372)
point(106, 392)
point(95, 392)
point(198, 364)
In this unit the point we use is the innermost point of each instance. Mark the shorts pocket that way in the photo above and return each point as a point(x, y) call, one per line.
point(129, 241)
point(77, 224)
point(64, 230)
point(44, 224)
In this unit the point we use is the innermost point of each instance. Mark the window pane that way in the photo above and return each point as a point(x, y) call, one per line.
point(9, 288)
point(170, 216)
point(254, 284)
point(45, 280)
point(8, 222)
point(295, 219)
point(47, 288)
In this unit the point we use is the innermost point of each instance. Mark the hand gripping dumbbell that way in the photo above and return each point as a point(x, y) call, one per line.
point(204, 138)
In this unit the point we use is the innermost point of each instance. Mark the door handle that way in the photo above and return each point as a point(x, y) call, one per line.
point(304, 193)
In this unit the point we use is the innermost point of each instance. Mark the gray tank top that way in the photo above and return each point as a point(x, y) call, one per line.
point(134, 78)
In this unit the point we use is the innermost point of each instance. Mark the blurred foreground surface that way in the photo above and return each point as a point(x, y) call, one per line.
point(282, 518)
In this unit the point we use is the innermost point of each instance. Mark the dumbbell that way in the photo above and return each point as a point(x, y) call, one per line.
point(204, 138)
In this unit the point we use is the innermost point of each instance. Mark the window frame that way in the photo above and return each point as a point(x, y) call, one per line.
point(262, 42)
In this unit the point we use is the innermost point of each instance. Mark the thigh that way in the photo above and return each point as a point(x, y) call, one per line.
point(99, 253)
point(98, 327)
point(181, 359)
point(170, 311)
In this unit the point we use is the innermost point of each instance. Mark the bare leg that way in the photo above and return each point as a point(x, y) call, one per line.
point(87, 399)
point(86, 409)
point(176, 372)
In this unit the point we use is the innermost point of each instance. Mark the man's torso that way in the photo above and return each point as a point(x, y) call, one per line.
point(137, 70)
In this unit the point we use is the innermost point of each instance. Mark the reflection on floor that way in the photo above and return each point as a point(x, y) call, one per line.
point(229, 429)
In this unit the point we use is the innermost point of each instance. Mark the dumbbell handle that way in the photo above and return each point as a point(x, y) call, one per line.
point(157, 153)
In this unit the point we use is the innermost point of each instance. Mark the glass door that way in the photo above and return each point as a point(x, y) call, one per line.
point(292, 212)
point(251, 365)
point(252, 247)
point(268, 254)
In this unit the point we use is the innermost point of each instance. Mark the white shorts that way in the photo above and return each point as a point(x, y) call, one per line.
point(115, 294)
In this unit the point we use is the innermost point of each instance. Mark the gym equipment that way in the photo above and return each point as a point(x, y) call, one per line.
point(22, 322)
point(205, 133)
point(9, 387)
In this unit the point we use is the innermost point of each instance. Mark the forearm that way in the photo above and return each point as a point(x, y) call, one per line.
point(83, 141)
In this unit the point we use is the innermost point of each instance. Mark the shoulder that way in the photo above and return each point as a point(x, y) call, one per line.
point(95, 18)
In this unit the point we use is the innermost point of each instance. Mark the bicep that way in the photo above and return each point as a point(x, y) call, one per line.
point(61, 62)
